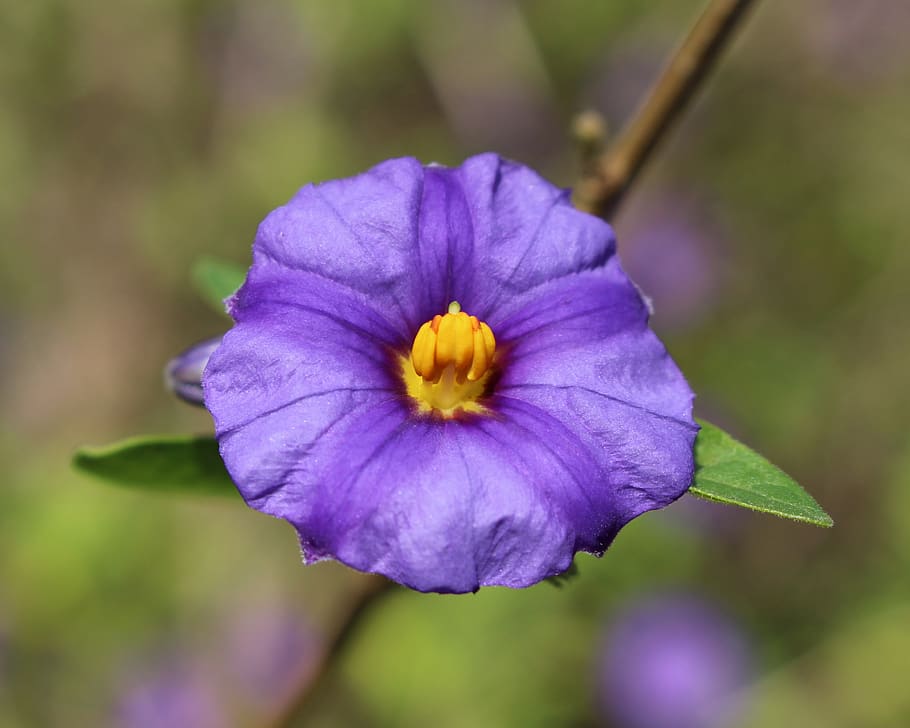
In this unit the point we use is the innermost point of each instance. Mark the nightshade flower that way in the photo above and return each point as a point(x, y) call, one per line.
point(444, 376)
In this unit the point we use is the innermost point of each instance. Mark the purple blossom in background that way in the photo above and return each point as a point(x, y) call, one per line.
point(859, 41)
point(174, 693)
point(444, 376)
point(670, 251)
point(673, 662)
point(267, 653)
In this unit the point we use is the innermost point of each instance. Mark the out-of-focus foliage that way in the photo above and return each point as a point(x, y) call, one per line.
point(216, 280)
point(176, 464)
point(771, 231)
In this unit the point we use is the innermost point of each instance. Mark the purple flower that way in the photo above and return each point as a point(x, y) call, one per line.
point(673, 662)
point(533, 415)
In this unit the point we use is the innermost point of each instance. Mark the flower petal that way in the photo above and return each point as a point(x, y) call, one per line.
point(525, 233)
point(304, 355)
point(579, 348)
point(360, 232)
point(438, 505)
point(414, 238)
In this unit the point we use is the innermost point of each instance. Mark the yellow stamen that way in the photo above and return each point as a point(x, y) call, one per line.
point(450, 361)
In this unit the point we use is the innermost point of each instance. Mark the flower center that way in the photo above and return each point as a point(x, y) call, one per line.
point(450, 362)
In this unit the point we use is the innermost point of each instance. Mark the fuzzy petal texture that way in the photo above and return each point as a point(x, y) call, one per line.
point(589, 420)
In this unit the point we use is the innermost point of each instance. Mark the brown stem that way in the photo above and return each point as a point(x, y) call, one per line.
point(601, 190)
point(359, 605)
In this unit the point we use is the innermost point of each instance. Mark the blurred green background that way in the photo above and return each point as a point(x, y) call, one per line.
point(772, 231)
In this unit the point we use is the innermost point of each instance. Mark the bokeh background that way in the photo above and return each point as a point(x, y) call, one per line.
point(772, 231)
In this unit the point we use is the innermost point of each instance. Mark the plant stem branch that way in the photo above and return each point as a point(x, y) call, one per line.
point(601, 189)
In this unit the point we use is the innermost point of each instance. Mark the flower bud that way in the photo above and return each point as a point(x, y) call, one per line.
point(183, 373)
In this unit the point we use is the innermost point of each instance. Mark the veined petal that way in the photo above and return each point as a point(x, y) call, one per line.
point(438, 505)
point(591, 331)
point(525, 233)
point(414, 238)
point(360, 232)
point(579, 349)
point(304, 354)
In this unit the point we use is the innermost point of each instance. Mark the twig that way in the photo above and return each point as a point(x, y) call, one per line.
point(601, 190)
point(373, 589)
point(589, 132)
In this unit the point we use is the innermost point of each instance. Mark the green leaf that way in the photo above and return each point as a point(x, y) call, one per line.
point(216, 280)
point(727, 471)
point(166, 464)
